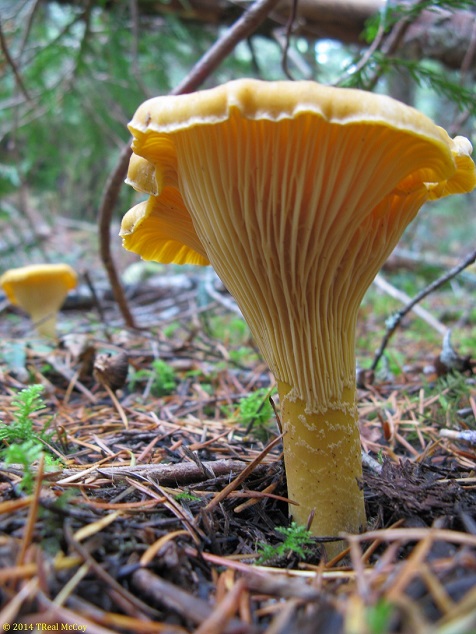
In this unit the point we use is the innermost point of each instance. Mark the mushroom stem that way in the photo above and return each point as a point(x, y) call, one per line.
point(46, 325)
point(323, 464)
point(42, 304)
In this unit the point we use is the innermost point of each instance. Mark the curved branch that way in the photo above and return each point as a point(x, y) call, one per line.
point(11, 63)
point(243, 27)
point(396, 319)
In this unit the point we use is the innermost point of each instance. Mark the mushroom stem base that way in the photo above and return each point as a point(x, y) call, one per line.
point(45, 325)
point(323, 464)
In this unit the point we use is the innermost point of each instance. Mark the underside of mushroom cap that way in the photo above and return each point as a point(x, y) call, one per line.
point(157, 120)
point(464, 177)
point(161, 229)
point(142, 177)
point(296, 194)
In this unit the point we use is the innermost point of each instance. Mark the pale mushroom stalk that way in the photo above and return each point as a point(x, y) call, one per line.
point(42, 305)
point(296, 194)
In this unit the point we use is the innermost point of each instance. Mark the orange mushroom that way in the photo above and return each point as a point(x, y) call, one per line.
point(296, 194)
point(39, 290)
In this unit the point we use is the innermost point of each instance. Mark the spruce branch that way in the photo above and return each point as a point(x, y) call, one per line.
point(384, 33)
point(427, 74)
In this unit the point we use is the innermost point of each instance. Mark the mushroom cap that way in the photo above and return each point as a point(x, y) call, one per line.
point(40, 290)
point(273, 101)
point(36, 275)
point(420, 148)
point(296, 193)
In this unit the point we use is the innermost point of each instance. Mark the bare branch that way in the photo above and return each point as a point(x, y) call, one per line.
point(11, 63)
point(287, 42)
point(397, 318)
point(243, 27)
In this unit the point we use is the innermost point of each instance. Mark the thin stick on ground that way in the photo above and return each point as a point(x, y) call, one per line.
point(242, 29)
point(421, 312)
point(32, 515)
point(219, 497)
point(398, 316)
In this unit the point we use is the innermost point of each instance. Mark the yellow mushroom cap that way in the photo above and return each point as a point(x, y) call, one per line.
point(40, 290)
point(296, 193)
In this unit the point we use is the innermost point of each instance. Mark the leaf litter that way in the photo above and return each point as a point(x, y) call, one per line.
point(154, 513)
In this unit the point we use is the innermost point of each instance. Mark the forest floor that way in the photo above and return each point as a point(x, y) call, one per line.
point(157, 501)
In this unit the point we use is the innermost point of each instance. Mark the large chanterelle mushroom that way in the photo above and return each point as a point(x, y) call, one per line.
point(296, 194)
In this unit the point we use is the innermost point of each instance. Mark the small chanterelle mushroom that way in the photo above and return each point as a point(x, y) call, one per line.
point(296, 193)
point(39, 290)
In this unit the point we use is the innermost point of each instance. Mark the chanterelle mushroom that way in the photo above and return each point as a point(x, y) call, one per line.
point(40, 290)
point(296, 194)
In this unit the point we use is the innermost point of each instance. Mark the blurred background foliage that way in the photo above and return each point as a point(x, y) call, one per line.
point(73, 73)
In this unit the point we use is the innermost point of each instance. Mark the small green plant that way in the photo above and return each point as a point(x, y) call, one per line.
point(186, 496)
point(161, 376)
point(234, 334)
point(255, 411)
point(256, 408)
point(171, 329)
point(379, 617)
point(25, 454)
point(26, 403)
point(392, 362)
point(296, 539)
point(24, 445)
point(234, 331)
point(242, 356)
point(453, 391)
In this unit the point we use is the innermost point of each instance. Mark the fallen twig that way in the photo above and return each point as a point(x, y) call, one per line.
point(183, 603)
point(182, 472)
point(396, 293)
point(397, 317)
point(466, 435)
point(371, 463)
point(244, 474)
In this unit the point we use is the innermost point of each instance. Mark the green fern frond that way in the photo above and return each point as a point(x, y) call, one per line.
point(25, 403)
point(296, 539)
